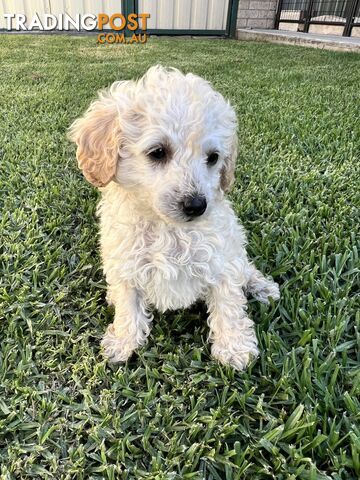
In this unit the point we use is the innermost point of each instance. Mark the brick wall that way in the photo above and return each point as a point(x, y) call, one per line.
point(256, 13)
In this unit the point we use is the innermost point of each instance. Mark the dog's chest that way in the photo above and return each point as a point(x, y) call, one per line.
point(173, 267)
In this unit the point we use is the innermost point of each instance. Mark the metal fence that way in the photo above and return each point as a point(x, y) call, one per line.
point(187, 17)
point(167, 17)
point(304, 15)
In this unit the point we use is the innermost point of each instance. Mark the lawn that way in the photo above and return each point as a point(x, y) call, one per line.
point(172, 412)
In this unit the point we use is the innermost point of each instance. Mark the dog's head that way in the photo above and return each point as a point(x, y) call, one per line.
point(169, 138)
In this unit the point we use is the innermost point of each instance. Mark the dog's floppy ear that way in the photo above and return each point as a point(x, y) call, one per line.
point(97, 136)
point(227, 174)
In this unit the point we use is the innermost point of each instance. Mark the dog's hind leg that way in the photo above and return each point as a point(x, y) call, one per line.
point(261, 287)
point(131, 325)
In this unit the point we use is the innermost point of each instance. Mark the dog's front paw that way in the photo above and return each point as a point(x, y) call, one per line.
point(265, 289)
point(115, 348)
point(237, 352)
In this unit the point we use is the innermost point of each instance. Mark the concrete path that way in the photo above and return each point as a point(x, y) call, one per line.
point(328, 42)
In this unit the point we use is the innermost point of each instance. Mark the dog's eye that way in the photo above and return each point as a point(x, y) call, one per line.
point(157, 154)
point(212, 158)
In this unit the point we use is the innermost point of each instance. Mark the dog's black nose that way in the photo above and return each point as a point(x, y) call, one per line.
point(194, 206)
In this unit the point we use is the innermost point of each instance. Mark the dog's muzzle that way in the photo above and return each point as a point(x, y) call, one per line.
point(194, 206)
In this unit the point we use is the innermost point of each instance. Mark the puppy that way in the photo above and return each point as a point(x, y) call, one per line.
point(162, 150)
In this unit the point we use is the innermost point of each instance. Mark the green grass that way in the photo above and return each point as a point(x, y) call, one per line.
point(172, 412)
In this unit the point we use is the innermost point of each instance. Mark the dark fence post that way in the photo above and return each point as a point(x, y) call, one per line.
point(127, 7)
point(278, 14)
point(308, 16)
point(350, 18)
point(232, 18)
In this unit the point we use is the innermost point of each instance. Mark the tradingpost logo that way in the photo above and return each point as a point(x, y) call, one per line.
point(117, 22)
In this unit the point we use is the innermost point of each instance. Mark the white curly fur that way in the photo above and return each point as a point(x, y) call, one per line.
point(153, 256)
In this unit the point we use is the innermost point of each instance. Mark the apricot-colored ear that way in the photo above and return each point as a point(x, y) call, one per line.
point(97, 136)
point(227, 174)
